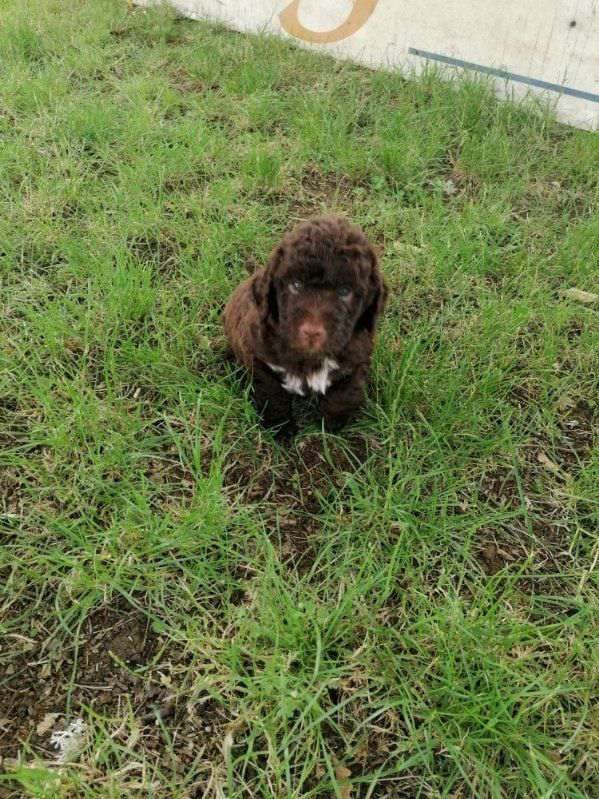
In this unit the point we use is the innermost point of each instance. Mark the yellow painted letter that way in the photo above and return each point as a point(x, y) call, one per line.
point(360, 13)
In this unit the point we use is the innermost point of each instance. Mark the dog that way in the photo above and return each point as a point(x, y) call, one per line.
point(305, 323)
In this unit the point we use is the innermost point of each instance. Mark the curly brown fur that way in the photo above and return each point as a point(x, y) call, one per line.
point(305, 323)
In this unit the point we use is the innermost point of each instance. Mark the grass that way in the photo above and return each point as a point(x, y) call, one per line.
point(405, 610)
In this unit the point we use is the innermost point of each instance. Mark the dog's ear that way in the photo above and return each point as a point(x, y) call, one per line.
point(376, 298)
point(263, 287)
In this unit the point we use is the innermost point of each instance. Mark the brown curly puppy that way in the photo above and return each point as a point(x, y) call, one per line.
point(305, 323)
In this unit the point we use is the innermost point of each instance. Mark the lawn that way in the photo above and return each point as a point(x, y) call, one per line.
point(406, 609)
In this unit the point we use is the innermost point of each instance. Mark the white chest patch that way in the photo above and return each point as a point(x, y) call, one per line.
point(318, 381)
point(321, 380)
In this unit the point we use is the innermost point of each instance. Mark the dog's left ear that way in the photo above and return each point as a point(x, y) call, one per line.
point(263, 287)
point(376, 299)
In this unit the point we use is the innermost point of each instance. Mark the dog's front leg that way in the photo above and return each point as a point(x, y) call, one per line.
point(272, 402)
point(343, 400)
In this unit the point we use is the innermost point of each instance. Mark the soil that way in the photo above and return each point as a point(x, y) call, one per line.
point(547, 466)
point(37, 680)
point(119, 668)
point(291, 492)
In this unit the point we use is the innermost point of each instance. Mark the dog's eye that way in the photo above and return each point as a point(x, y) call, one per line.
point(295, 286)
point(344, 292)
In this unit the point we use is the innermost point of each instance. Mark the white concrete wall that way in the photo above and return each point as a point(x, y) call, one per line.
point(552, 41)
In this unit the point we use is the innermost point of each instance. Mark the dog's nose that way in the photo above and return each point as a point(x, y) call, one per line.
point(312, 335)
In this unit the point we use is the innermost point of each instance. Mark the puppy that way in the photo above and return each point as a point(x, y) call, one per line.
point(305, 323)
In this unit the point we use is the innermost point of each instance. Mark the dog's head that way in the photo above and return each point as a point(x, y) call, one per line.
point(321, 284)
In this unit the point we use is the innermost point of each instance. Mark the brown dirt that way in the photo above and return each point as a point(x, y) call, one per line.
point(111, 646)
point(578, 431)
point(123, 670)
point(316, 192)
point(12, 497)
point(551, 194)
point(186, 83)
point(492, 559)
point(460, 184)
point(161, 251)
point(547, 465)
point(289, 487)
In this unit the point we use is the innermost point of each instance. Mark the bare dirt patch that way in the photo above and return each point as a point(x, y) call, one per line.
point(542, 523)
point(578, 426)
point(560, 198)
point(290, 489)
point(316, 192)
point(44, 677)
point(161, 251)
point(458, 184)
point(186, 83)
point(131, 677)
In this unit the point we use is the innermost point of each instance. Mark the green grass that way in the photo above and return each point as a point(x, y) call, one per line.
point(405, 610)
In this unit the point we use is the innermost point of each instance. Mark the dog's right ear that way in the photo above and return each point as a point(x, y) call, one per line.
point(263, 287)
point(376, 299)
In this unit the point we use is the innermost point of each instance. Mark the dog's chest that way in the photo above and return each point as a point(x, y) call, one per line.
point(318, 381)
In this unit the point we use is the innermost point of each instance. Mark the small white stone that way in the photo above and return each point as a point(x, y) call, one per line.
point(69, 742)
